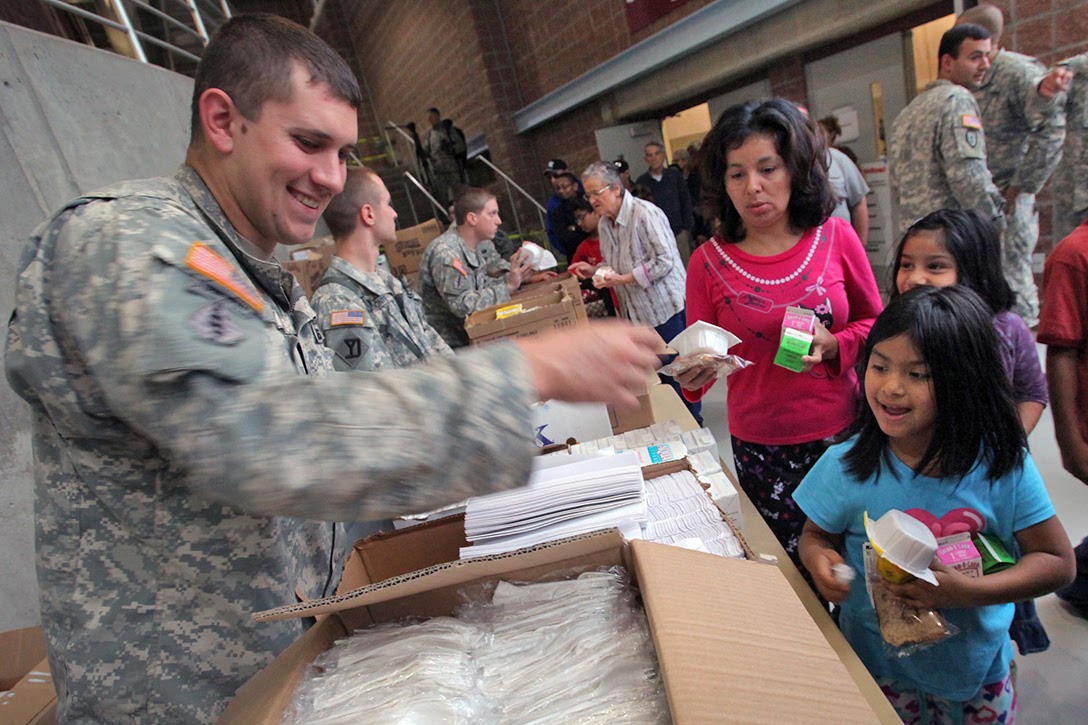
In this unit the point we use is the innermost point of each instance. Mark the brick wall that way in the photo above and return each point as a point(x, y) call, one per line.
point(481, 60)
point(414, 54)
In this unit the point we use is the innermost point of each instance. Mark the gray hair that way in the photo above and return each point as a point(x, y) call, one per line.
point(604, 171)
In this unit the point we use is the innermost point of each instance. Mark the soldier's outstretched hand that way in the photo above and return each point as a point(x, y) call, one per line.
point(610, 361)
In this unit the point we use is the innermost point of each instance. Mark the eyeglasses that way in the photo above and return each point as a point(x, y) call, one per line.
point(590, 194)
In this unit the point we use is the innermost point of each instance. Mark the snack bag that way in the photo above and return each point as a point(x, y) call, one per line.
point(899, 549)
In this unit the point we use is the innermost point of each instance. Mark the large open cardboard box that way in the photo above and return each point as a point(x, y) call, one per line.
point(733, 642)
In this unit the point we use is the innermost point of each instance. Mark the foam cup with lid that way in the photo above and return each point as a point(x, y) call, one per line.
point(703, 337)
point(904, 541)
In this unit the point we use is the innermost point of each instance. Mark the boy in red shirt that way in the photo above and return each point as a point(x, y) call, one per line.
point(590, 251)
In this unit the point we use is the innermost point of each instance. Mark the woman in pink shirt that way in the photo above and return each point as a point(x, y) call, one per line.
point(764, 179)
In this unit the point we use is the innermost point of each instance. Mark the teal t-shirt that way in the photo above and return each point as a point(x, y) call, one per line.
point(836, 502)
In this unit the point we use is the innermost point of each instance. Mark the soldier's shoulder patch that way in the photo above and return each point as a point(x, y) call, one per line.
point(346, 317)
point(205, 260)
point(970, 120)
point(215, 323)
point(456, 264)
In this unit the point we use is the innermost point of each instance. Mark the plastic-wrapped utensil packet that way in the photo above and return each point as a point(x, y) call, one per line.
point(721, 364)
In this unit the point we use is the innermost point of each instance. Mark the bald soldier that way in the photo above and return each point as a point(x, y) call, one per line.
point(937, 154)
point(187, 445)
point(1025, 126)
point(370, 319)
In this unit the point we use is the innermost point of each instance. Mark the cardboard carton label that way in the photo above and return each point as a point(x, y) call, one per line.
point(793, 346)
point(959, 553)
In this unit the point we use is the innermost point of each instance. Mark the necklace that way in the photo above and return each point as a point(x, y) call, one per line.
point(769, 282)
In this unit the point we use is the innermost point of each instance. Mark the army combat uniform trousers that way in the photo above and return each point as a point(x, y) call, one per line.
point(1020, 239)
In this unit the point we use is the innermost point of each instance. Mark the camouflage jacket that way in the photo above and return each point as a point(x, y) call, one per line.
point(456, 281)
point(1070, 186)
point(372, 321)
point(937, 157)
point(179, 417)
point(1024, 131)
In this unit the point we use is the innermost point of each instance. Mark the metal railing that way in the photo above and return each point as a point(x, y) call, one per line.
point(511, 185)
point(419, 185)
point(137, 34)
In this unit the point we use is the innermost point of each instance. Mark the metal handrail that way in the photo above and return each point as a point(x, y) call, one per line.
point(421, 187)
point(411, 145)
point(163, 16)
point(135, 35)
point(510, 183)
point(513, 183)
point(540, 210)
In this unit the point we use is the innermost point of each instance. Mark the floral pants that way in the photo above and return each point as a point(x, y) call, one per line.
point(994, 704)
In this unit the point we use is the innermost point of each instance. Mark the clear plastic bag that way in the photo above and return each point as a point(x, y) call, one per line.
point(906, 629)
point(722, 365)
point(576, 650)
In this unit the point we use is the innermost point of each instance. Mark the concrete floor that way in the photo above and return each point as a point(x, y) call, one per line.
point(1051, 684)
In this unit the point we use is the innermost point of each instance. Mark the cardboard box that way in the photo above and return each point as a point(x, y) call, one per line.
point(625, 420)
point(27, 696)
point(404, 254)
point(733, 642)
point(309, 261)
point(566, 282)
point(551, 311)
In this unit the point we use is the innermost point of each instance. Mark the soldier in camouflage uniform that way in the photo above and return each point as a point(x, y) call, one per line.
point(1069, 188)
point(370, 320)
point(937, 154)
point(460, 272)
point(1025, 127)
point(179, 410)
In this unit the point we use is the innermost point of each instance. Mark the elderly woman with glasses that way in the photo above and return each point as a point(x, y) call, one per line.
point(638, 245)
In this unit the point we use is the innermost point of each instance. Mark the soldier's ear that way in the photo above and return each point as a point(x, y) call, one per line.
point(944, 63)
point(366, 214)
point(219, 119)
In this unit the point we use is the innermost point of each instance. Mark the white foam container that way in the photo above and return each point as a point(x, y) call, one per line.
point(703, 337)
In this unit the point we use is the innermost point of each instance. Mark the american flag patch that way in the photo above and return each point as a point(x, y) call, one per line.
point(346, 317)
point(456, 264)
point(970, 120)
point(205, 260)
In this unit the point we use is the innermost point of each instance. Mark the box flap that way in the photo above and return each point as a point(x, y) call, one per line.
point(455, 574)
point(33, 699)
point(391, 553)
point(723, 650)
point(268, 694)
point(22, 649)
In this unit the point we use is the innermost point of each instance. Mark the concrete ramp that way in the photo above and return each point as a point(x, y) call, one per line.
point(72, 118)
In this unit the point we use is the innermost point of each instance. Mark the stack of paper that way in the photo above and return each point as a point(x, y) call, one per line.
point(680, 513)
point(563, 498)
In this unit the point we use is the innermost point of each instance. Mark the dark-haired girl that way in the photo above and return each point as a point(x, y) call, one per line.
point(931, 441)
point(950, 247)
point(765, 180)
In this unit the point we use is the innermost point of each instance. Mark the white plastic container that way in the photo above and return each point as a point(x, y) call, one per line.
point(904, 541)
point(703, 337)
